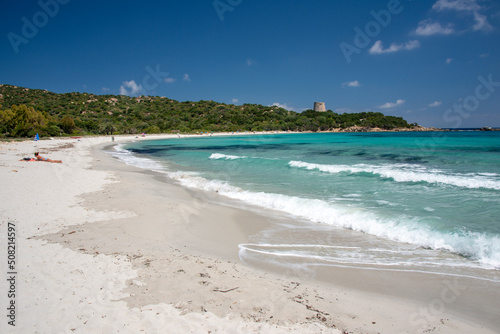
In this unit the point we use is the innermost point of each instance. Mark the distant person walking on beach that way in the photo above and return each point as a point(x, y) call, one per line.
point(40, 158)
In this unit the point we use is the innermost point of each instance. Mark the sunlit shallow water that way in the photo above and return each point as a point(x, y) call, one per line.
point(391, 201)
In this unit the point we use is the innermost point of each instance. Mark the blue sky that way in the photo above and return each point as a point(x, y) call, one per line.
point(433, 62)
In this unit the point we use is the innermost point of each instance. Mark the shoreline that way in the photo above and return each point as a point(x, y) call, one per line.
point(173, 263)
point(418, 288)
point(187, 135)
point(352, 129)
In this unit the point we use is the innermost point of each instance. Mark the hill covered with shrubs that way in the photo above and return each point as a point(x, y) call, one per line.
point(25, 112)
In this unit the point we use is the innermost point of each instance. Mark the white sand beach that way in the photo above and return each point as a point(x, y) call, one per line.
point(103, 247)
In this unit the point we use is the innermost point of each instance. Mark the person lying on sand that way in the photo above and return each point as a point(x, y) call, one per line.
point(40, 158)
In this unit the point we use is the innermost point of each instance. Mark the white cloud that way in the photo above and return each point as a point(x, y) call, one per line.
point(449, 60)
point(354, 83)
point(469, 6)
point(169, 80)
point(284, 106)
point(186, 77)
point(481, 23)
point(435, 104)
point(378, 48)
point(134, 88)
point(389, 105)
point(235, 100)
point(484, 55)
point(250, 62)
point(429, 28)
point(105, 89)
point(458, 5)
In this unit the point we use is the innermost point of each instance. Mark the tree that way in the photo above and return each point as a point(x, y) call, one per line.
point(67, 124)
point(53, 130)
point(106, 128)
point(25, 120)
point(5, 120)
point(153, 129)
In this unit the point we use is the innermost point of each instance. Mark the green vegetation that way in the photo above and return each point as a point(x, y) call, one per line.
point(25, 112)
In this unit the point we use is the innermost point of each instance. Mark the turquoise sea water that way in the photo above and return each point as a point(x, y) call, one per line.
point(403, 201)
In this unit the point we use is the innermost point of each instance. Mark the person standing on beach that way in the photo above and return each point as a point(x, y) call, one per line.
point(40, 158)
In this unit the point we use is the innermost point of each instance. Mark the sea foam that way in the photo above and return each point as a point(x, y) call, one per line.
point(480, 247)
point(217, 156)
point(131, 159)
point(408, 173)
point(477, 246)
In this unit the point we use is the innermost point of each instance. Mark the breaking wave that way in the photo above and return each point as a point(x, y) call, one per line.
point(409, 173)
point(483, 248)
point(217, 156)
point(476, 246)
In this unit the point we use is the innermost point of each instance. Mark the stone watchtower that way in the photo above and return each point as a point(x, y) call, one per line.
point(319, 106)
